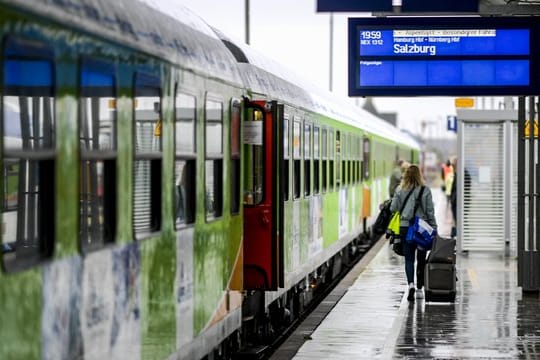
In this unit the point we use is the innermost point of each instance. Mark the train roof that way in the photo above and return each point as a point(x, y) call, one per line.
point(175, 34)
point(156, 27)
point(265, 76)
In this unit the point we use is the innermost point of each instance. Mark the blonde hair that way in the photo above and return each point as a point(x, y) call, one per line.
point(412, 177)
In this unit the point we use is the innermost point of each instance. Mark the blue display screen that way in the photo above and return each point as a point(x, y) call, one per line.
point(443, 42)
point(444, 73)
point(443, 56)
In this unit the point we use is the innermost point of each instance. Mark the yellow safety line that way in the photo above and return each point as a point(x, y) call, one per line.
point(473, 278)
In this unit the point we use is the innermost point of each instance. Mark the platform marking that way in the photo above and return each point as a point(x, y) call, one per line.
point(473, 278)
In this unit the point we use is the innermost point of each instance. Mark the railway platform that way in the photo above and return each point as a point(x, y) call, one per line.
point(367, 316)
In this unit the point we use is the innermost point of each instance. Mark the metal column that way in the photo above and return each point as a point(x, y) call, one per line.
point(528, 193)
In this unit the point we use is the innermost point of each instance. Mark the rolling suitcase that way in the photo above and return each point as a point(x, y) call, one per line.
point(440, 271)
point(440, 282)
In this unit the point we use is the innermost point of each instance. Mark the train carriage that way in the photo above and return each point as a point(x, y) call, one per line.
point(168, 192)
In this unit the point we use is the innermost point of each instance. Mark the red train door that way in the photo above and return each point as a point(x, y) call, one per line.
point(263, 198)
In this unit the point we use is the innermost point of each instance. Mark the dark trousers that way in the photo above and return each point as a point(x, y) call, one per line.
point(410, 252)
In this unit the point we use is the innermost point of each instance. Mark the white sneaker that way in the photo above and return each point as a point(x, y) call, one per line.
point(420, 293)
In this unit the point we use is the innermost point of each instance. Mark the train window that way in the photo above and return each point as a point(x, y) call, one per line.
point(349, 158)
point(214, 158)
point(366, 157)
point(331, 149)
point(307, 159)
point(324, 159)
point(338, 158)
point(359, 159)
point(316, 161)
point(358, 147)
point(254, 155)
point(97, 139)
point(296, 158)
point(148, 155)
point(344, 156)
point(184, 160)
point(235, 156)
point(286, 149)
point(28, 132)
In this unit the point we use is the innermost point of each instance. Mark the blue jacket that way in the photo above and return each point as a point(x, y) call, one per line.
point(425, 210)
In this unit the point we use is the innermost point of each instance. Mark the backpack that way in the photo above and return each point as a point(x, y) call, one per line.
point(383, 219)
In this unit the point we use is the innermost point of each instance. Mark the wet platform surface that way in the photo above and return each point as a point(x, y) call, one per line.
point(491, 318)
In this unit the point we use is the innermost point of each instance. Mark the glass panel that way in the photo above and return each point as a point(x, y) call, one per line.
point(286, 137)
point(92, 203)
point(331, 144)
point(338, 158)
point(213, 188)
point(185, 124)
point(214, 128)
point(22, 189)
point(142, 196)
point(28, 123)
point(324, 144)
point(235, 129)
point(97, 125)
point(296, 139)
point(316, 153)
point(254, 150)
point(366, 159)
point(307, 141)
point(307, 177)
point(185, 188)
point(147, 124)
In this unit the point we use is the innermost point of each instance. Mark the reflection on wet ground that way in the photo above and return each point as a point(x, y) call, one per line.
point(490, 319)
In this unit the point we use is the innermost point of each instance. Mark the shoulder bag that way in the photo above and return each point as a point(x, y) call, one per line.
point(393, 228)
point(420, 232)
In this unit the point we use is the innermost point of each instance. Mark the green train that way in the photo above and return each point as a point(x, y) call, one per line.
point(167, 192)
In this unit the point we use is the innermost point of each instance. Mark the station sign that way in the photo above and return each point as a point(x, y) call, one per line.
point(443, 56)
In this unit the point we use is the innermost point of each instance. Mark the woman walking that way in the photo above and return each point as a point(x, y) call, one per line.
point(413, 183)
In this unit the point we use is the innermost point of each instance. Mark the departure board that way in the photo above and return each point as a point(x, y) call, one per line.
point(442, 56)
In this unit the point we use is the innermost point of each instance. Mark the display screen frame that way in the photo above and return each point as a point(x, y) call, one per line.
point(499, 78)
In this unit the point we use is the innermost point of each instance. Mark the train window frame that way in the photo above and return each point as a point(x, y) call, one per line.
point(235, 156)
point(17, 55)
point(316, 159)
point(147, 85)
point(308, 143)
point(213, 160)
point(97, 165)
point(185, 160)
